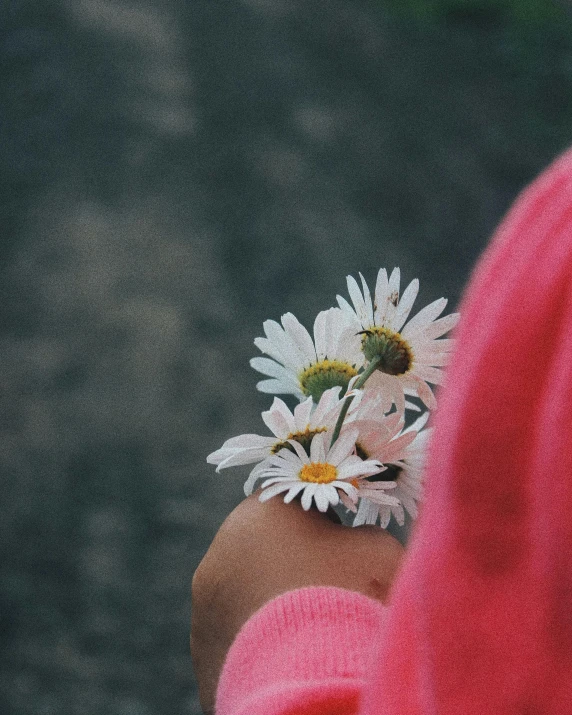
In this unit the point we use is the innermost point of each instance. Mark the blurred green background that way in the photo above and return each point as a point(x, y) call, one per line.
point(172, 173)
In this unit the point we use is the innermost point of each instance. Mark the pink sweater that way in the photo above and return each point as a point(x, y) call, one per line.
point(480, 619)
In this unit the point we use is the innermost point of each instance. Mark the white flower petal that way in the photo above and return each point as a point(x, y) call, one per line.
point(384, 516)
point(358, 301)
point(275, 480)
point(344, 305)
point(272, 369)
point(321, 335)
point(405, 304)
point(433, 346)
point(300, 451)
point(347, 502)
point(429, 374)
point(247, 441)
point(378, 496)
point(317, 449)
point(397, 448)
point(397, 512)
point(321, 498)
point(349, 349)
point(272, 491)
point(367, 301)
point(250, 482)
point(412, 406)
point(292, 357)
point(294, 491)
point(366, 468)
point(393, 299)
point(424, 317)
point(302, 414)
point(349, 489)
point(269, 348)
point(343, 446)
point(300, 336)
point(327, 408)
point(284, 459)
point(333, 494)
point(307, 495)
point(441, 326)
point(279, 419)
point(431, 359)
point(279, 387)
point(392, 390)
point(327, 327)
point(425, 393)
point(366, 514)
point(339, 346)
point(381, 296)
point(243, 457)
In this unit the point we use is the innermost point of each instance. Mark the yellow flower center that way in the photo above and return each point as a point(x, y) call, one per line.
point(318, 472)
point(395, 352)
point(304, 438)
point(320, 376)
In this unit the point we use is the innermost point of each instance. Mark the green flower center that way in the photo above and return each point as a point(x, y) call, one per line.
point(320, 376)
point(304, 438)
point(396, 356)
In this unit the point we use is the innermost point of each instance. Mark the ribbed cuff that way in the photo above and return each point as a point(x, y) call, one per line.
point(312, 638)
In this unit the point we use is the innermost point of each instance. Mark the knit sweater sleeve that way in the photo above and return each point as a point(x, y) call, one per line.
point(306, 652)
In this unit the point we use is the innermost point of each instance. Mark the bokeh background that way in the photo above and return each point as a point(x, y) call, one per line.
point(172, 173)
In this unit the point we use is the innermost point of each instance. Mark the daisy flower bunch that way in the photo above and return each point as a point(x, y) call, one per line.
point(346, 440)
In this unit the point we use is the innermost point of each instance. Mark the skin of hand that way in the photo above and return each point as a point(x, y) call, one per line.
point(264, 550)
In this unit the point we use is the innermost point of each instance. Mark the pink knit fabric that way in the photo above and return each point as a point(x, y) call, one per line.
point(481, 616)
point(309, 651)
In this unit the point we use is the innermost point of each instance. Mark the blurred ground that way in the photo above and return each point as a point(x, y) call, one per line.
point(172, 174)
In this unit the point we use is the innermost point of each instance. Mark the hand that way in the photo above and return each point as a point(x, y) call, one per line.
point(263, 550)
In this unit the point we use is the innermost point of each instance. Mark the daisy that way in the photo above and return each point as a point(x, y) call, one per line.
point(410, 356)
point(301, 425)
point(380, 436)
point(304, 367)
point(319, 477)
point(406, 472)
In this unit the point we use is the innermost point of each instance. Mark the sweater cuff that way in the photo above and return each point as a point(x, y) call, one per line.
point(317, 641)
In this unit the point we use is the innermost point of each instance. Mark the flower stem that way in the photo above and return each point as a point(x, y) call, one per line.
point(357, 385)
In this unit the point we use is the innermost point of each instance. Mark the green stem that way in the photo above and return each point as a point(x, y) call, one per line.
point(358, 384)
